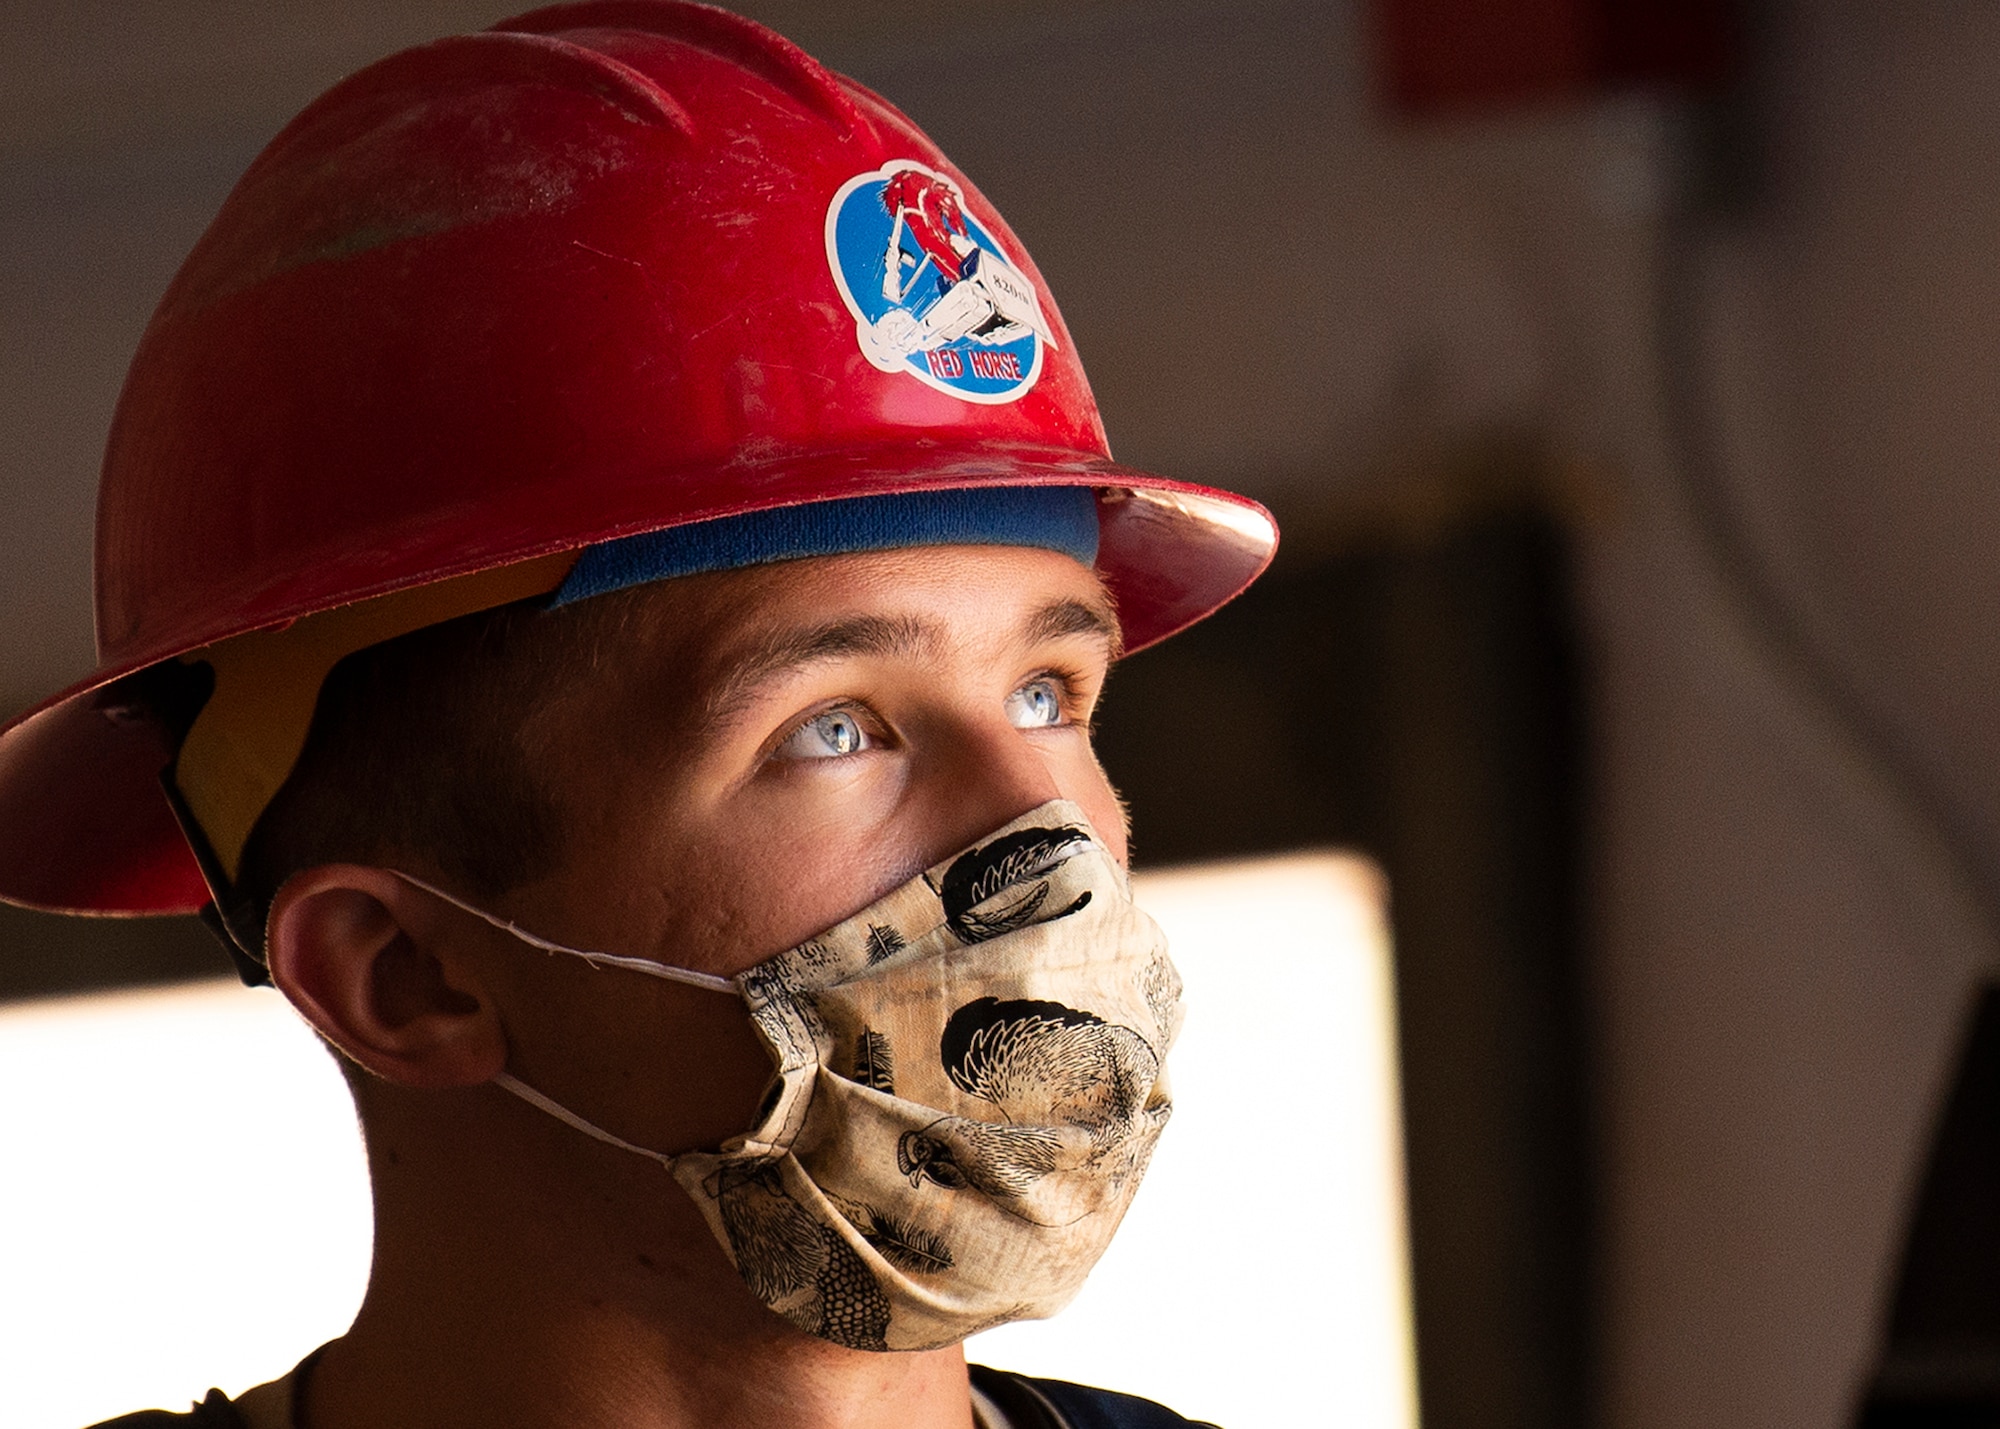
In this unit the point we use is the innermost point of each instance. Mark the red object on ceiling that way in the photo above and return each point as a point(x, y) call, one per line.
point(1436, 56)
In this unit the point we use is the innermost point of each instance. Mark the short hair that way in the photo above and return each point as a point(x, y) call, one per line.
point(422, 754)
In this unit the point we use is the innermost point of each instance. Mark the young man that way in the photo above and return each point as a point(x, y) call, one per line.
point(606, 618)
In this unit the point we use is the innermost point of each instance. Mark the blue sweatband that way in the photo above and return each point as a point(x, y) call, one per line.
point(1052, 518)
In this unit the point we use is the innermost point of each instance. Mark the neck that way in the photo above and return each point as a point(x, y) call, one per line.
point(527, 1276)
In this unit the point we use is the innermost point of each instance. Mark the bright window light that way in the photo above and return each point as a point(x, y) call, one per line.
point(1260, 1279)
point(159, 1144)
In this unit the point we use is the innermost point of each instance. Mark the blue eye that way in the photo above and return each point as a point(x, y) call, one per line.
point(832, 735)
point(1036, 705)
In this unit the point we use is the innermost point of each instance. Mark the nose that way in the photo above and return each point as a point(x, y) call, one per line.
point(979, 777)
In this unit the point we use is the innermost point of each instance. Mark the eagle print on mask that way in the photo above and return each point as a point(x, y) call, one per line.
point(968, 1083)
point(1075, 1090)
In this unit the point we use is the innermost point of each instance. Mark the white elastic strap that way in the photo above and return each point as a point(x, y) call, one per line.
point(563, 1114)
point(607, 960)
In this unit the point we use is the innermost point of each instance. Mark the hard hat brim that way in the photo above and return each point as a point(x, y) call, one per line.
point(85, 827)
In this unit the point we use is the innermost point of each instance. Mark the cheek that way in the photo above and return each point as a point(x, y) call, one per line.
point(661, 1065)
point(768, 885)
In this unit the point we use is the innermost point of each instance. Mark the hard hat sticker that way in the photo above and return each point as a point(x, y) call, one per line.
point(931, 291)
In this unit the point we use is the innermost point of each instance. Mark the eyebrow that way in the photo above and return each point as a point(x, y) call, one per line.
point(787, 651)
point(1062, 618)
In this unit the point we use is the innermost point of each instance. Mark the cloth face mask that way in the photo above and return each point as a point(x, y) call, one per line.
point(969, 1083)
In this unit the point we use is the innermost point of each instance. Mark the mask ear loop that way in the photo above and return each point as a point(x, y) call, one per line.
point(606, 960)
point(561, 1113)
point(521, 1089)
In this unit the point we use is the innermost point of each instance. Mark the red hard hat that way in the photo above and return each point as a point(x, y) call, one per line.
point(605, 269)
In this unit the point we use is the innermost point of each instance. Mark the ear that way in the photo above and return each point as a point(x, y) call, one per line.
point(368, 960)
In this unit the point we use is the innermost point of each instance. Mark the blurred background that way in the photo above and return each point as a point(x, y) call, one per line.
point(1623, 376)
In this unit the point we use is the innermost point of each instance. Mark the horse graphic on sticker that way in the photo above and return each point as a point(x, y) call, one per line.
point(931, 291)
